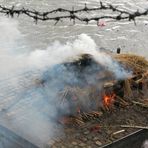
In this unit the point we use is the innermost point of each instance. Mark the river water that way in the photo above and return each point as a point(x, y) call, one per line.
point(125, 34)
point(25, 108)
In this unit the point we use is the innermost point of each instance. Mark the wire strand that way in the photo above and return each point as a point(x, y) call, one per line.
point(74, 14)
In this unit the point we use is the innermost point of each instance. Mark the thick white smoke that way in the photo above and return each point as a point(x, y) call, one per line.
point(54, 54)
point(25, 108)
point(83, 45)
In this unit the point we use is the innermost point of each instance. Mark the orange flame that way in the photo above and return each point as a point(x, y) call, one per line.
point(108, 100)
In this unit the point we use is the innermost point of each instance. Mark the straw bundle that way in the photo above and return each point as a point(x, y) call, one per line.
point(137, 64)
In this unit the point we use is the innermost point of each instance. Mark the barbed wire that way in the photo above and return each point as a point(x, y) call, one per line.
point(73, 14)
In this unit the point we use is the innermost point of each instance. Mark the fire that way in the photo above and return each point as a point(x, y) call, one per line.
point(108, 100)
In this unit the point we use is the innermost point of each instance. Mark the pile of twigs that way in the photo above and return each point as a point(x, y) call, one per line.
point(80, 119)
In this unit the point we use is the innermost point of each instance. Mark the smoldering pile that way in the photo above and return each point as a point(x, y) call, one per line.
point(108, 109)
point(86, 87)
point(77, 82)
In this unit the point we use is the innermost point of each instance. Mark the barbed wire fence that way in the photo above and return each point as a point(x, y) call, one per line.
point(73, 14)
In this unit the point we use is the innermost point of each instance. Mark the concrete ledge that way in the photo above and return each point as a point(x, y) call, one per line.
point(9, 139)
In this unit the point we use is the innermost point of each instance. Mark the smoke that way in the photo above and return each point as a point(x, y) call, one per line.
point(31, 80)
point(11, 52)
point(70, 51)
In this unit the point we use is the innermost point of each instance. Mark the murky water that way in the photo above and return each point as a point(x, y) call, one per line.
point(25, 108)
point(125, 34)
